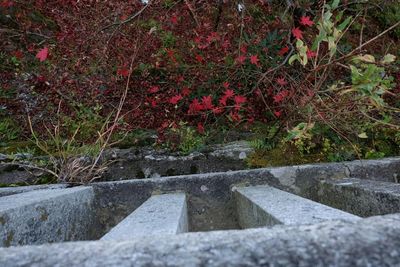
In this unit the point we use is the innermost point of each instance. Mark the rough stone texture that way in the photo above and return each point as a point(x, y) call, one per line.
point(210, 202)
point(369, 242)
point(149, 163)
point(12, 174)
point(159, 215)
point(260, 206)
point(362, 197)
point(6, 191)
point(42, 216)
point(387, 170)
point(209, 197)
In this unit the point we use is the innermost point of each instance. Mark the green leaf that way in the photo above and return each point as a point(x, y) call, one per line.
point(344, 24)
point(363, 135)
point(365, 58)
point(389, 58)
point(293, 58)
point(339, 16)
point(335, 4)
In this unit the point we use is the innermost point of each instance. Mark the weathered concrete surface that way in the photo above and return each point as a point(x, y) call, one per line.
point(159, 215)
point(260, 206)
point(6, 191)
point(369, 242)
point(209, 197)
point(210, 202)
point(387, 170)
point(149, 163)
point(43, 216)
point(360, 196)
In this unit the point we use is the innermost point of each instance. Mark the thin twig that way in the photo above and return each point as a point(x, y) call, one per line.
point(117, 116)
point(358, 48)
point(191, 11)
point(129, 19)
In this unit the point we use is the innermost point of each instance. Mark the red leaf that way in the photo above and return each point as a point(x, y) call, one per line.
point(212, 37)
point(226, 85)
point(283, 51)
point(18, 54)
point(123, 72)
point(278, 113)
point(199, 58)
point(311, 54)
point(207, 102)
point(239, 99)
point(223, 100)
point(226, 44)
point(174, 20)
point(297, 33)
point(281, 81)
point(195, 106)
point(217, 110)
point(186, 91)
point(175, 99)
point(6, 3)
point(281, 96)
point(241, 59)
point(254, 60)
point(234, 116)
point(278, 98)
point(200, 128)
point(154, 89)
point(306, 21)
point(229, 93)
point(154, 103)
point(43, 54)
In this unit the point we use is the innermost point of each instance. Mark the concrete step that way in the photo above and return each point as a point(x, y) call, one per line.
point(260, 206)
point(159, 215)
point(46, 216)
point(361, 196)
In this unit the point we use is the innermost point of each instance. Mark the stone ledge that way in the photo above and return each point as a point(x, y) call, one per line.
point(41, 216)
point(210, 202)
point(360, 196)
point(6, 191)
point(159, 215)
point(369, 242)
point(260, 206)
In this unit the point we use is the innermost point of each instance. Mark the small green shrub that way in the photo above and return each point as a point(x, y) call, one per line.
point(389, 16)
point(9, 130)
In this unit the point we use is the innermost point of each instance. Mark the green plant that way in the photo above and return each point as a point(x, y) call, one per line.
point(9, 130)
point(169, 3)
point(388, 16)
point(71, 161)
point(189, 139)
point(301, 137)
point(330, 30)
point(372, 154)
point(257, 144)
point(168, 39)
point(87, 119)
point(370, 80)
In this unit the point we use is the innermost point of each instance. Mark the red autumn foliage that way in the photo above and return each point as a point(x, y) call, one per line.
point(306, 21)
point(297, 33)
point(42, 54)
point(186, 67)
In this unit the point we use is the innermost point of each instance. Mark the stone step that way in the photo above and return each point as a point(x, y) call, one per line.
point(260, 206)
point(360, 196)
point(159, 215)
point(45, 216)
